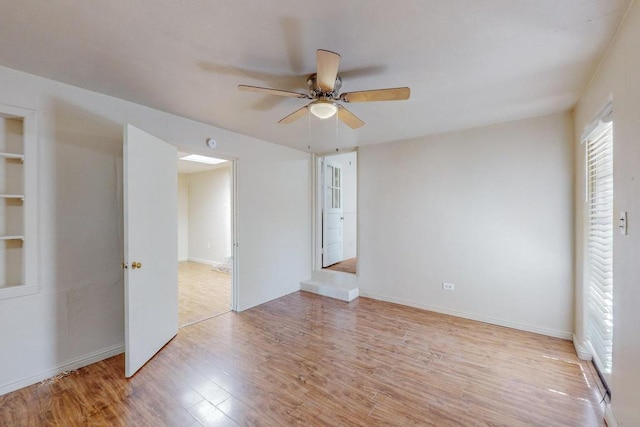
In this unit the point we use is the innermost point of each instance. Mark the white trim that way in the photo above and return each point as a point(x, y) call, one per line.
point(235, 238)
point(520, 326)
point(201, 260)
point(608, 416)
point(316, 200)
point(69, 365)
point(605, 115)
point(314, 216)
point(18, 291)
point(582, 350)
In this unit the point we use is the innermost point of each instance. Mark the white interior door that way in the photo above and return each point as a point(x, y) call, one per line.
point(332, 214)
point(150, 246)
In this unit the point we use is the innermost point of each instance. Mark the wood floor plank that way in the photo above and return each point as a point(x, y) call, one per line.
point(202, 292)
point(346, 266)
point(309, 360)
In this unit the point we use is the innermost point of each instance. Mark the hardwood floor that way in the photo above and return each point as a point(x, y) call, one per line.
point(346, 266)
point(202, 292)
point(310, 360)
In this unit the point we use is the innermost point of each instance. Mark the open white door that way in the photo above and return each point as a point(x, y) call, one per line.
point(332, 214)
point(150, 246)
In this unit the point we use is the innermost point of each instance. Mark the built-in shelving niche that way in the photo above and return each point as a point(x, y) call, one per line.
point(17, 202)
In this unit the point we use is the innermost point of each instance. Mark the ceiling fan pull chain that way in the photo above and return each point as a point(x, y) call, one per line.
point(337, 132)
point(309, 131)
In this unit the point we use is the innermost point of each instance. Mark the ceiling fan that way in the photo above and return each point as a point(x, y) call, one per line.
point(323, 90)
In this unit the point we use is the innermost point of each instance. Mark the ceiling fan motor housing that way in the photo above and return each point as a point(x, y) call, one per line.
point(316, 92)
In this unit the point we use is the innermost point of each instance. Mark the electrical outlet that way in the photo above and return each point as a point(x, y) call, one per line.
point(447, 286)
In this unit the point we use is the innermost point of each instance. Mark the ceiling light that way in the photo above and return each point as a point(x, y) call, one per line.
point(202, 159)
point(323, 109)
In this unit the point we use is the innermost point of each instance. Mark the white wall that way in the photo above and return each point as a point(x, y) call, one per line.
point(210, 216)
point(77, 316)
point(619, 79)
point(183, 217)
point(488, 209)
point(349, 162)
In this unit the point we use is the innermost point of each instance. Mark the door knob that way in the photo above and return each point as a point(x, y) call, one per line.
point(135, 265)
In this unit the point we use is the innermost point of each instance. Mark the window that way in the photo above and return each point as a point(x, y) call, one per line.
point(335, 186)
point(599, 245)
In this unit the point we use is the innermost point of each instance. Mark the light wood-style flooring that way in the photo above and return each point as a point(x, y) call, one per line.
point(346, 266)
point(202, 292)
point(311, 361)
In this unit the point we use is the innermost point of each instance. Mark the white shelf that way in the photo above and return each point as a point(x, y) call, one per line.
point(12, 156)
point(18, 209)
point(12, 237)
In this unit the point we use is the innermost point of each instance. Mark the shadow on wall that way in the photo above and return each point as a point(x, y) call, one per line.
point(81, 228)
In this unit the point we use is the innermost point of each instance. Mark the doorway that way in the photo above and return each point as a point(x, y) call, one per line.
point(205, 221)
point(337, 212)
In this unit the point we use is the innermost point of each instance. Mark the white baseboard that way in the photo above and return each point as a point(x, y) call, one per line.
point(201, 260)
point(472, 316)
point(581, 350)
point(215, 265)
point(608, 417)
point(69, 365)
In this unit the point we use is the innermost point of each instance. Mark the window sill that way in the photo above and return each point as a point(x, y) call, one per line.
point(17, 291)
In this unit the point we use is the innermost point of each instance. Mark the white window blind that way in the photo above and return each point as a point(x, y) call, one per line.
point(599, 324)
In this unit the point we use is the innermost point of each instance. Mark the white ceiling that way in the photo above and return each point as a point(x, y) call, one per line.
point(468, 62)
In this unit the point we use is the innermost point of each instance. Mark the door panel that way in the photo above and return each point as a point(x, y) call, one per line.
point(150, 238)
point(332, 217)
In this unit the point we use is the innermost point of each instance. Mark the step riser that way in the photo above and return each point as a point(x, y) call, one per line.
point(336, 277)
point(341, 293)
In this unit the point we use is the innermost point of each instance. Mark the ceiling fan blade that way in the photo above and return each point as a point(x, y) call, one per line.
point(354, 73)
point(349, 118)
point(276, 92)
point(295, 115)
point(328, 63)
point(391, 94)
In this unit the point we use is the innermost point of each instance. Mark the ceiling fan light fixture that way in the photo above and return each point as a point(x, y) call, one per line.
point(323, 109)
point(326, 101)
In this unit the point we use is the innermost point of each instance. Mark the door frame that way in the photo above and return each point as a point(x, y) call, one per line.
point(235, 262)
point(317, 204)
